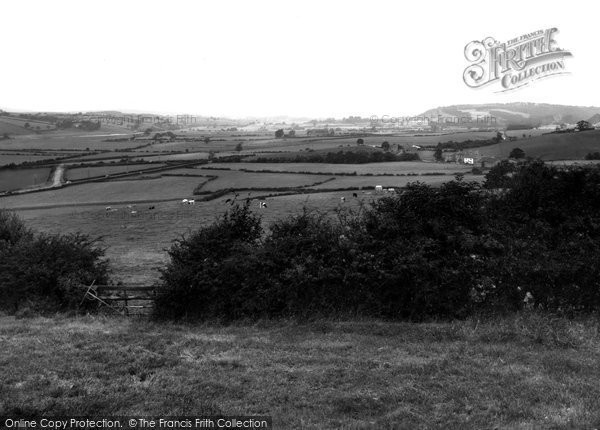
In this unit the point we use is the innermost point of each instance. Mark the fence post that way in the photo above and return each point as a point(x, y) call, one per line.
point(125, 296)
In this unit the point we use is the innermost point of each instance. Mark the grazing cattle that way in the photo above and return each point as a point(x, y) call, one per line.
point(342, 199)
point(191, 202)
point(262, 205)
point(355, 195)
point(151, 208)
point(184, 201)
point(378, 188)
point(134, 213)
point(108, 209)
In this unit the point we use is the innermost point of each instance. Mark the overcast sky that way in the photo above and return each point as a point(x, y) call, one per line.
point(260, 58)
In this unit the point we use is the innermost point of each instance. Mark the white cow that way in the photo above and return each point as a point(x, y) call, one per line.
point(184, 201)
point(191, 202)
point(378, 188)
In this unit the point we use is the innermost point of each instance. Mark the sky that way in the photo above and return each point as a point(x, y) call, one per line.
point(267, 58)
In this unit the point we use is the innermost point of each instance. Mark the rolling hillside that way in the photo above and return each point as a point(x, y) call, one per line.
point(565, 146)
point(14, 126)
point(518, 114)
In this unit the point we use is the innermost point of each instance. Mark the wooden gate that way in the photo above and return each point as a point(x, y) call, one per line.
point(123, 299)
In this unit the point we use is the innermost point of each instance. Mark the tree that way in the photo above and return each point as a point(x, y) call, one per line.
point(438, 154)
point(584, 125)
point(238, 147)
point(27, 125)
point(5, 136)
point(499, 175)
point(360, 141)
point(385, 146)
point(279, 133)
point(292, 133)
point(517, 153)
point(207, 140)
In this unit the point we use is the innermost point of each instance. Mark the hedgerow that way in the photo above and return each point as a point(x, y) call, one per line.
point(427, 252)
point(42, 272)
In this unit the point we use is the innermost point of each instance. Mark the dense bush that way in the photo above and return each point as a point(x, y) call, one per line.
point(426, 252)
point(341, 157)
point(44, 272)
point(593, 156)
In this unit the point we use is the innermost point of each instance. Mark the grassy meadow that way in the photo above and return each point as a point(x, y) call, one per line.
point(91, 172)
point(23, 178)
point(18, 158)
point(394, 167)
point(136, 244)
point(549, 147)
point(514, 372)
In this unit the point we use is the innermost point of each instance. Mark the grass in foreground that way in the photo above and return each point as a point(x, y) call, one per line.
point(511, 372)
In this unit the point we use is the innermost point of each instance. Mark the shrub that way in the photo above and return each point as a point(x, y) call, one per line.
point(423, 253)
point(517, 153)
point(197, 280)
point(40, 271)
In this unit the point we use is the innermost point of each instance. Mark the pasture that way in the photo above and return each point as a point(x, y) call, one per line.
point(76, 173)
point(15, 126)
point(191, 156)
point(395, 167)
point(64, 140)
point(385, 181)
point(136, 243)
point(409, 139)
point(18, 158)
point(549, 147)
point(237, 179)
point(518, 371)
point(14, 179)
point(117, 191)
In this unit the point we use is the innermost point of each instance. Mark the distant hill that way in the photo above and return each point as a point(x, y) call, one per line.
point(13, 125)
point(594, 119)
point(563, 146)
point(518, 115)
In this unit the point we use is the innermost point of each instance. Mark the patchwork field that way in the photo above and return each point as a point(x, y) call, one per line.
point(565, 146)
point(8, 158)
point(396, 167)
point(386, 181)
point(76, 173)
point(15, 125)
point(121, 191)
point(136, 242)
point(22, 178)
point(64, 140)
point(237, 179)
